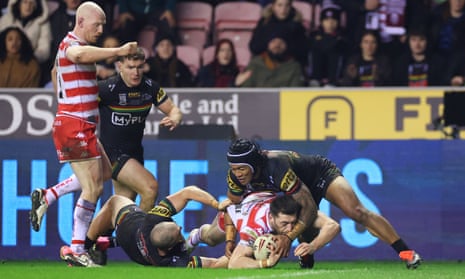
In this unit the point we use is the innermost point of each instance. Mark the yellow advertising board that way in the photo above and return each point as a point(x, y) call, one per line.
point(361, 114)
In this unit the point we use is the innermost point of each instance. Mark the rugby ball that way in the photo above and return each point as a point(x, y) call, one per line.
point(261, 246)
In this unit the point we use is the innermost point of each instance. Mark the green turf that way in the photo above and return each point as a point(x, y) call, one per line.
point(285, 270)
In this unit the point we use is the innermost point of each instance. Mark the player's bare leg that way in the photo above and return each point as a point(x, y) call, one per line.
point(341, 194)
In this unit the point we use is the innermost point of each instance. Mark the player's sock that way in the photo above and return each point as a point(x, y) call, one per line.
point(88, 243)
point(196, 237)
point(83, 213)
point(399, 245)
point(71, 184)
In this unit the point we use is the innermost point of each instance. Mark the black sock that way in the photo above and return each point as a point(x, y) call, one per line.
point(88, 243)
point(399, 245)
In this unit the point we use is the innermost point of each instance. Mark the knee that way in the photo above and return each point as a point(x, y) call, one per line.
point(359, 214)
point(150, 192)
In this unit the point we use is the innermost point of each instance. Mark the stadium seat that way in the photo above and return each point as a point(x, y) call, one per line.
point(190, 55)
point(306, 9)
point(243, 56)
point(194, 21)
point(236, 21)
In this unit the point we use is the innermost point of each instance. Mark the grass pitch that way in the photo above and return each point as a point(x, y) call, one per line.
point(285, 270)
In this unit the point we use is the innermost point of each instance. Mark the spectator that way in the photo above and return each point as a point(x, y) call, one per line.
point(165, 67)
point(107, 68)
point(223, 70)
point(135, 15)
point(418, 66)
point(456, 70)
point(273, 68)
point(389, 20)
point(282, 18)
point(447, 27)
point(32, 17)
point(356, 12)
point(62, 21)
point(328, 48)
point(18, 66)
point(369, 67)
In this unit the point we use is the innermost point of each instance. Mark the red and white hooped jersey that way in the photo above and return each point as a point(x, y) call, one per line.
point(77, 88)
point(250, 217)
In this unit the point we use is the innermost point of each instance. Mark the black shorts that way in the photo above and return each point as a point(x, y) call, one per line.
point(118, 159)
point(132, 219)
point(317, 172)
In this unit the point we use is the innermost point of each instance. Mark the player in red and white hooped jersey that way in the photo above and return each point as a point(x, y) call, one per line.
point(74, 81)
point(77, 88)
point(251, 217)
point(258, 214)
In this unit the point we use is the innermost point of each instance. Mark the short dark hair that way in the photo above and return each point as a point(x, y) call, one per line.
point(285, 204)
point(139, 55)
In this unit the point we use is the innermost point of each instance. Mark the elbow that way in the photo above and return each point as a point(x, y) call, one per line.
point(335, 228)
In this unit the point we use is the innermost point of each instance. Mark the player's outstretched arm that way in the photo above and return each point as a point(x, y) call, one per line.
point(91, 54)
point(328, 230)
point(180, 199)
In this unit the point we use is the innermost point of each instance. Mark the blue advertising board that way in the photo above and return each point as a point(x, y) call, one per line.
point(418, 185)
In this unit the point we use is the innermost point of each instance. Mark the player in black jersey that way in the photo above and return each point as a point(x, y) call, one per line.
point(124, 103)
point(253, 169)
point(153, 238)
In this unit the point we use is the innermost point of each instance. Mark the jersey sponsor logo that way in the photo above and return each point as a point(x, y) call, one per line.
point(125, 119)
point(133, 94)
point(289, 181)
point(160, 211)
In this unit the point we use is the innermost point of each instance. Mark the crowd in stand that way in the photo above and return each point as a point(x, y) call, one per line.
point(364, 43)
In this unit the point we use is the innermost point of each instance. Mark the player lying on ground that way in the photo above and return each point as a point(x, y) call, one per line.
point(256, 170)
point(149, 238)
point(258, 214)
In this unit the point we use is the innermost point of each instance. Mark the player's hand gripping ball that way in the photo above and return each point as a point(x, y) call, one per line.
point(262, 246)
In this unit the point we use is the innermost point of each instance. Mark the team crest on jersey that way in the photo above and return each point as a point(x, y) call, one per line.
point(122, 99)
point(161, 94)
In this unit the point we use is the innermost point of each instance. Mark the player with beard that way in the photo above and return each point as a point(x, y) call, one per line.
point(275, 67)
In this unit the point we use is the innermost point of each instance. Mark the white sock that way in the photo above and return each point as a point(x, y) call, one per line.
point(71, 184)
point(83, 213)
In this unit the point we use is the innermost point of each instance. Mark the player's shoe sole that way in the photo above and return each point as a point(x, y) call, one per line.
point(73, 259)
point(38, 209)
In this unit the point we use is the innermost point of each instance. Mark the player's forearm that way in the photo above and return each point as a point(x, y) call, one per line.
point(90, 54)
point(327, 233)
point(243, 262)
point(308, 213)
point(197, 194)
point(175, 115)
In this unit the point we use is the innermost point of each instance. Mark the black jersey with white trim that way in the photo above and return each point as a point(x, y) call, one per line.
point(123, 110)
